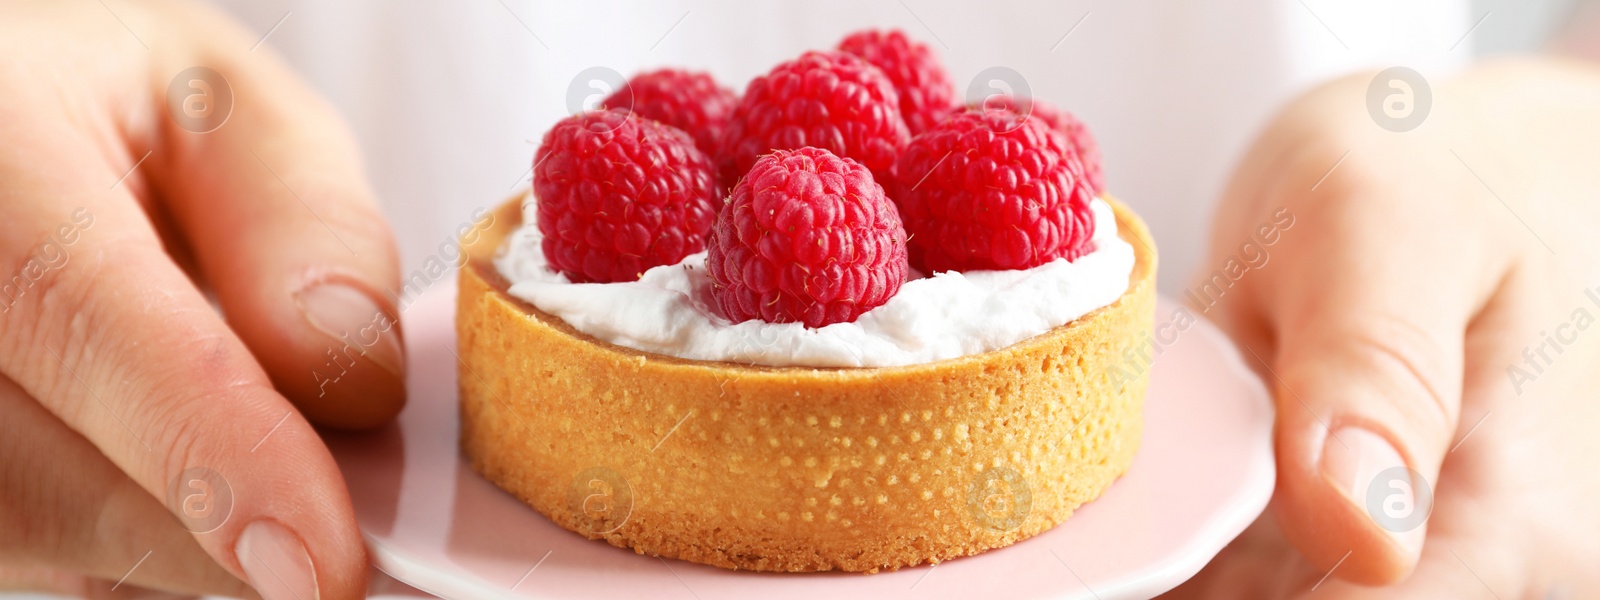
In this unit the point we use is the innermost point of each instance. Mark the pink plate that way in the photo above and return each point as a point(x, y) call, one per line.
point(1204, 472)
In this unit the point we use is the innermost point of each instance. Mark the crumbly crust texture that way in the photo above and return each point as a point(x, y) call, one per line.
point(798, 469)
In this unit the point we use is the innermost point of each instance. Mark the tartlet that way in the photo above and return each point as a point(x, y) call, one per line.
point(797, 468)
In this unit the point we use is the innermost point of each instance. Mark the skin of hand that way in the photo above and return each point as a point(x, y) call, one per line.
point(1433, 305)
point(172, 307)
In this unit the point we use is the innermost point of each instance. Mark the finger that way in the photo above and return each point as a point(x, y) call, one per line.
point(115, 341)
point(386, 586)
point(53, 581)
point(284, 228)
point(1368, 373)
point(1450, 568)
point(1525, 439)
point(64, 506)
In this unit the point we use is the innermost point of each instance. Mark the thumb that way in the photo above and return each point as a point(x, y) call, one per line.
point(265, 183)
point(1368, 373)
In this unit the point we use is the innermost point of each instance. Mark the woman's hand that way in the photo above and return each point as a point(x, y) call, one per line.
point(137, 193)
point(1429, 326)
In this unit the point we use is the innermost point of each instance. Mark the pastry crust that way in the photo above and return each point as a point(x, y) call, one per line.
point(798, 468)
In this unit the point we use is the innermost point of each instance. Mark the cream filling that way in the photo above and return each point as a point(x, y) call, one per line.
point(947, 315)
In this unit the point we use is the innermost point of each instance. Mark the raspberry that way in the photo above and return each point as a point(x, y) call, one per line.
point(1066, 123)
point(619, 194)
point(830, 100)
point(690, 101)
point(993, 190)
point(926, 94)
point(806, 236)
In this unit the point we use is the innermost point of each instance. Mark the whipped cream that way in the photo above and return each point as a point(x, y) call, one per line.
point(947, 315)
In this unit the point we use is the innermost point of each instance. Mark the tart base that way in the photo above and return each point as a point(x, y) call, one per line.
point(797, 468)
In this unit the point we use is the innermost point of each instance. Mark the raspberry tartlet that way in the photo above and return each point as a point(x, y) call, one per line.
point(811, 391)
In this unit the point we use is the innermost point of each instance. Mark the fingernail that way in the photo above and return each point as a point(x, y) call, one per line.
point(355, 322)
point(276, 562)
point(1356, 460)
